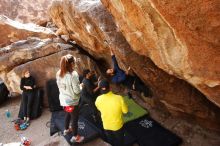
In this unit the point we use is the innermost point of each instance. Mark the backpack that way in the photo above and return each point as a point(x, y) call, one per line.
point(53, 96)
point(3, 93)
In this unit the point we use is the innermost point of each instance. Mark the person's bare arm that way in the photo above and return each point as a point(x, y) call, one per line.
point(128, 70)
point(112, 53)
point(96, 89)
point(97, 83)
point(108, 44)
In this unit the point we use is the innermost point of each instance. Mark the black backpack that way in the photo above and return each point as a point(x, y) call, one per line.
point(53, 96)
point(3, 93)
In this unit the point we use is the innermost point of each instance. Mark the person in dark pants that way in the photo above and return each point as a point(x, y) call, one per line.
point(73, 118)
point(89, 91)
point(115, 138)
point(112, 107)
point(27, 86)
point(69, 89)
point(119, 76)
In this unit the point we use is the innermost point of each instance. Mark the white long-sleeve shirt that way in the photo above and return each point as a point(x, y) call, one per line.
point(69, 88)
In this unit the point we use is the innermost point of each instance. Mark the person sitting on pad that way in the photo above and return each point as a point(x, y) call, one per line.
point(112, 107)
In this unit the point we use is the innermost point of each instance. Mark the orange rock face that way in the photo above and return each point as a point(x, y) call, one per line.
point(180, 37)
point(143, 40)
point(26, 11)
point(12, 31)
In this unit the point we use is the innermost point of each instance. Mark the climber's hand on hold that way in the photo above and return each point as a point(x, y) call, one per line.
point(112, 53)
point(128, 70)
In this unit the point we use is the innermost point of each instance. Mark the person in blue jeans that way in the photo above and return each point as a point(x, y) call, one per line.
point(119, 76)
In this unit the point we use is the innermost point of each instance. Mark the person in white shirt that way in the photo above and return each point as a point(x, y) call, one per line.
point(69, 88)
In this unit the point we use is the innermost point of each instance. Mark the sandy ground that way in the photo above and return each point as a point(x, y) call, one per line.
point(38, 132)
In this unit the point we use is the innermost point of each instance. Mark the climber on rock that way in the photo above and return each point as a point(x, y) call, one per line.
point(119, 76)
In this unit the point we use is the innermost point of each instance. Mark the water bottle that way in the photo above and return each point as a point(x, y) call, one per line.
point(7, 113)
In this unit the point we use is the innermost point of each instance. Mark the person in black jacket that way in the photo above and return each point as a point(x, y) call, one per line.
point(27, 86)
point(90, 90)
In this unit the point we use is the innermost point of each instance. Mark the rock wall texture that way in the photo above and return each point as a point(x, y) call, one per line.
point(26, 11)
point(180, 37)
point(143, 39)
point(13, 31)
point(26, 50)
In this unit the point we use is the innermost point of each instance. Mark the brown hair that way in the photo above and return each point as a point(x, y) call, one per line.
point(66, 63)
point(23, 72)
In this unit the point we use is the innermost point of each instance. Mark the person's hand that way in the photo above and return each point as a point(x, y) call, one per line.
point(111, 50)
point(26, 87)
point(29, 87)
point(129, 68)
point(81, 85)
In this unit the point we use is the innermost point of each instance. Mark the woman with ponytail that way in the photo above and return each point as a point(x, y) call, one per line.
point(69, 88)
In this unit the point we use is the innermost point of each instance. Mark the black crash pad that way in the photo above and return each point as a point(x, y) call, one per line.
point(36, 110)
point(53, 95)
point(3, 92)
point(148, 132)
point(84, 127)
point(86, 112)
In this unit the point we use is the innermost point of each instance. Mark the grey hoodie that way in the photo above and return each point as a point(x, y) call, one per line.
point(69, 88)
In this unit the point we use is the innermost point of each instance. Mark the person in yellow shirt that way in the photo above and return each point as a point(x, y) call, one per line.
point(112, 107)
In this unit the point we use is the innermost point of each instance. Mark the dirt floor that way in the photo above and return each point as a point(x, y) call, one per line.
point(38, 132)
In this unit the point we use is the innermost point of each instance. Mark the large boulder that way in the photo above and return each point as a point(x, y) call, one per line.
point(44, 69)
point(42, 58)
point(180, 37)
point(90, 25)
point(13, 31)
point(26, 50)
point(26, 11)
